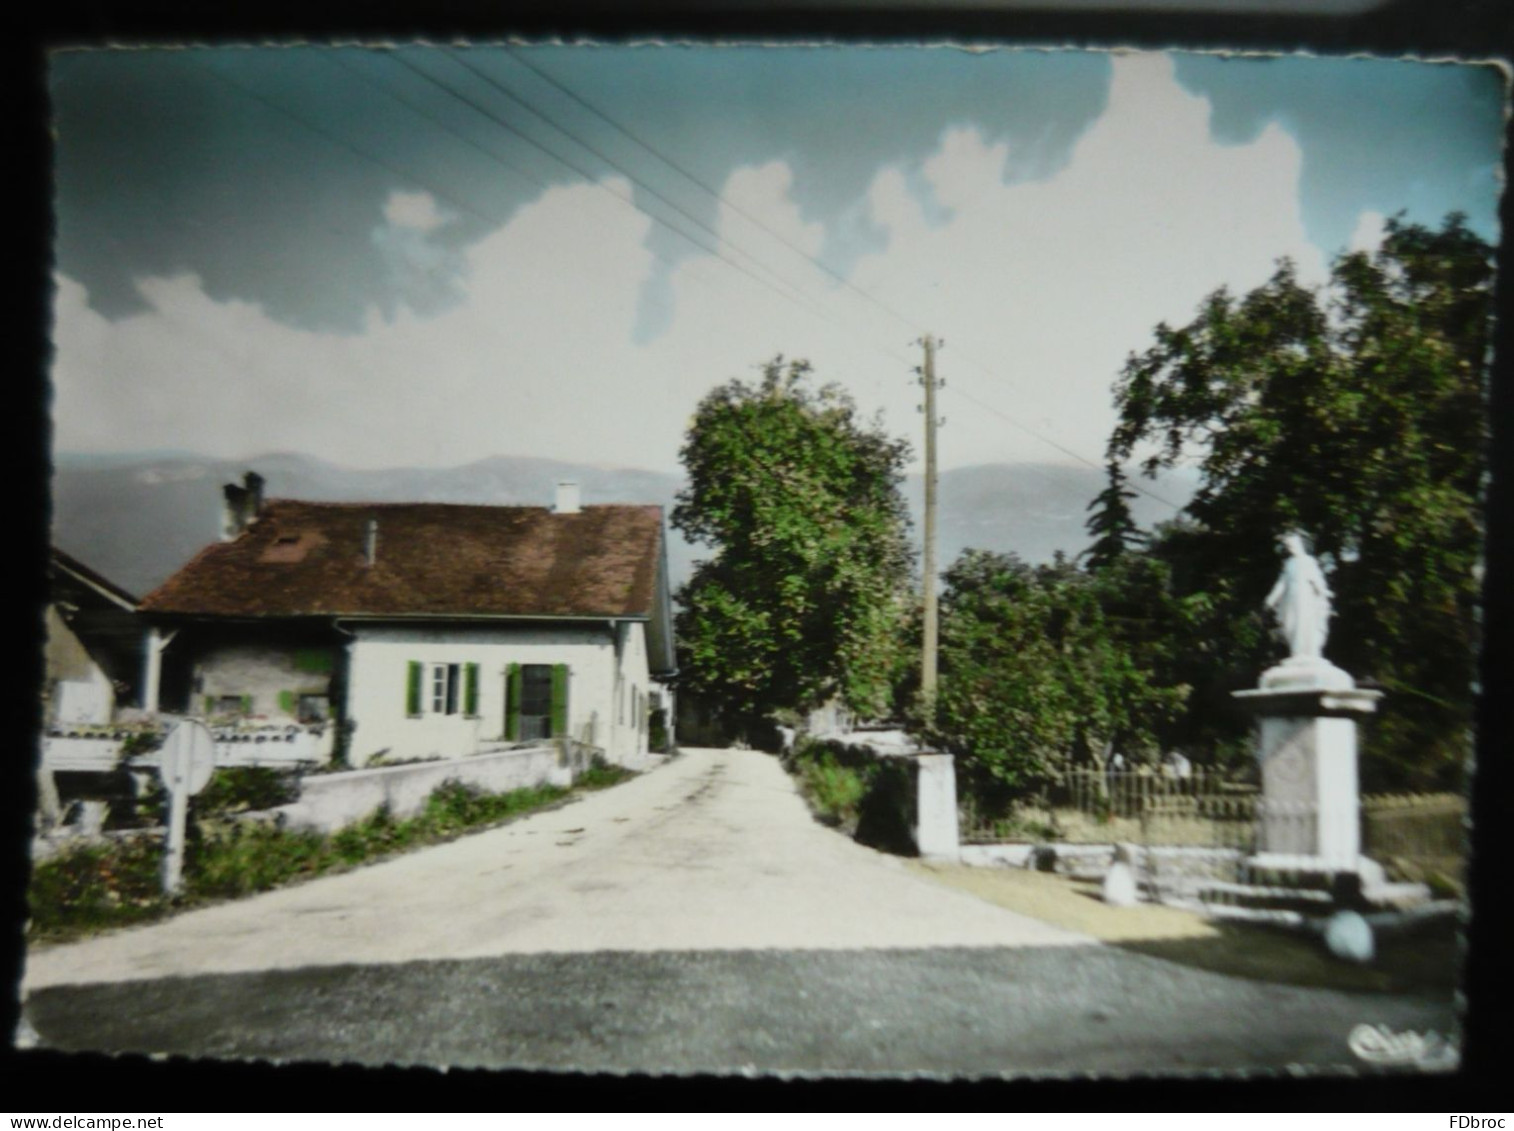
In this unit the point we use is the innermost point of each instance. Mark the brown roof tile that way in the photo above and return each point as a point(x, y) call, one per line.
point(433, 559)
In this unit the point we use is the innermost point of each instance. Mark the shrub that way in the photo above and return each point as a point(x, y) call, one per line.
point(96, 885)
point(835, 790)
point(237, 788)
point(601, 774)
point(254, 858)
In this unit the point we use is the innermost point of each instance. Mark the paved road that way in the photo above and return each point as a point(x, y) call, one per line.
point(694, 919)
point(970, 1011)
point(712, 851)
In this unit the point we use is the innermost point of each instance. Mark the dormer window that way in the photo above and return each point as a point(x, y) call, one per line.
point(291, 545)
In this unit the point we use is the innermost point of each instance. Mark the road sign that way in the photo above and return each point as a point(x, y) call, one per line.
point(187, 758)
point(185, 765)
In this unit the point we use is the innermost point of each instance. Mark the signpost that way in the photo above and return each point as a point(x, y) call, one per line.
point(185, 765)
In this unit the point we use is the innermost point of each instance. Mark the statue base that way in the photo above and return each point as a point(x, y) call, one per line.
point(1306, 746)
point(1306, 672)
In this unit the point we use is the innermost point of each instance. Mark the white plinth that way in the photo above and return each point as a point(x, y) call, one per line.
point(936, 807)
point(1306, 747)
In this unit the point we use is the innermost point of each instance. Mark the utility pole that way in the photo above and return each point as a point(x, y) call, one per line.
point(928, 660)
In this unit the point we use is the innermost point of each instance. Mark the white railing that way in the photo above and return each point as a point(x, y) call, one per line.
point(100, 750)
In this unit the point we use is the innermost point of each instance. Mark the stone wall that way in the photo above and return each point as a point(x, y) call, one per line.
point(329, 801)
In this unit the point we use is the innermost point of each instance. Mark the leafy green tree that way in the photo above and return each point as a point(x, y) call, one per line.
point(809, 584)
point(1112, 525)
point(1357, 413)
point(1045, 666)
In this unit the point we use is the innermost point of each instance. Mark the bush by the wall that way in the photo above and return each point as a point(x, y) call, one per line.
point(871, 799)
point(235, 788)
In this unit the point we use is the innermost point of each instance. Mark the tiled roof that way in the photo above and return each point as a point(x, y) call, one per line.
point(433, 559)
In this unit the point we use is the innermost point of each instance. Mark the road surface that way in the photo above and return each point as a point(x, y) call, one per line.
point(695, 919)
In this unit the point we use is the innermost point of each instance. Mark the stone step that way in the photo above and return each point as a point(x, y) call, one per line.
point(1276, 916)
point(1265, 891)
point(1397, 895)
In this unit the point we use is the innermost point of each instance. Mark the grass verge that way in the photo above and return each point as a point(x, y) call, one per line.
point(99, 887)
point(1425, 960)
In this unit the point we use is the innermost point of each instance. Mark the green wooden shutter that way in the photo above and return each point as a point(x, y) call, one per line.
point(559, 700)
point(247, 704)
point(413, 689)
point(286, 702)
point(512, 702)
point(210, 705)
point(470, 689)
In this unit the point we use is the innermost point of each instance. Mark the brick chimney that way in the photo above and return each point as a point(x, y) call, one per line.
point(241, 505)
point(567, 498)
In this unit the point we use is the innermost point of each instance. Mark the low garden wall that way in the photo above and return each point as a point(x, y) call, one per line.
point(329, 801)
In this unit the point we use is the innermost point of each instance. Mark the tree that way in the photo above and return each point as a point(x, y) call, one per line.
point(1045, 666)
point(1112, 525)
point(805, 595)
point(1357, 413)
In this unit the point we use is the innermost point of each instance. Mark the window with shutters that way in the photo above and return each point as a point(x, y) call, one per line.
point(536, 701)
point(441, 689)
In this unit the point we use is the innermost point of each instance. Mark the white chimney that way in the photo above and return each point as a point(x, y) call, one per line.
point(370, 543)
point(567, 498)
point(241, 506)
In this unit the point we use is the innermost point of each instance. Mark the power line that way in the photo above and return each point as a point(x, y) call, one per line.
point(783, 288)
point(1060, 447)
point(540, 182)
point(866, 295)
point(716, 193)
point(335, 139)
point(590, 178)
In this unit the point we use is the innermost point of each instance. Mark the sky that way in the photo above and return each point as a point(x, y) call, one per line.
point(425, 256)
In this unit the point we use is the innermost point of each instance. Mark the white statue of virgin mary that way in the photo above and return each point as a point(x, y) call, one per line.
point(1301, 601)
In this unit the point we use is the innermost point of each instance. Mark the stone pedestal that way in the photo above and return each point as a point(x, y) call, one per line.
point(936, 808)
point(1306, 746)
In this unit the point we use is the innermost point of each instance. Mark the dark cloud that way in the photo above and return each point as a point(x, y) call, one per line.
point(265, 172)
point(1376, 134)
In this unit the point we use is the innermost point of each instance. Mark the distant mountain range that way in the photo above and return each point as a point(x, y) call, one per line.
point(136, 518)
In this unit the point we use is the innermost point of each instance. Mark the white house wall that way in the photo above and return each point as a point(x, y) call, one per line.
point(378, 686)
point(77, 690)
point(633, 682)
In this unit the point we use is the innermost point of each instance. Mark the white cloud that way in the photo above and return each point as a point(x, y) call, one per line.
point(1040, 288)
point(416, 210)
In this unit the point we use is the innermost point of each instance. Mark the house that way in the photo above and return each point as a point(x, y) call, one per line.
point(415, 630)
point(92, 659)
point(92, 664)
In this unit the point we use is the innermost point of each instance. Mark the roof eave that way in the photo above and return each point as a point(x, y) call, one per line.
point(257, 618)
